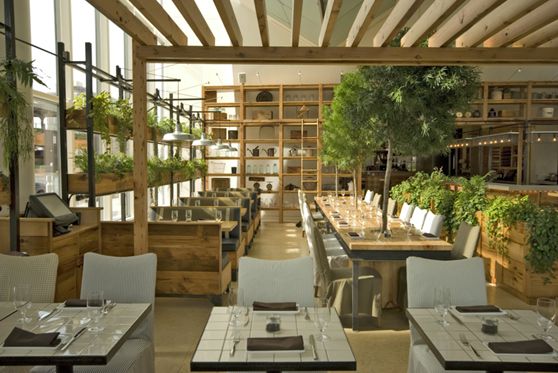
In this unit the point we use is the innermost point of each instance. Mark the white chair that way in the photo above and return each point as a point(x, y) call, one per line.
point(368, 197)
point(406, 212)
point(432, 224)
point(124, 280)
point(466, 281)
point(276, 280)
point(417, 219)
point(376, 200)
point(466, 241)
point(391, 207)
point(39, 271)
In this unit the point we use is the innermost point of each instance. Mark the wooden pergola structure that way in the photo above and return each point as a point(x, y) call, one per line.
point(459, 32)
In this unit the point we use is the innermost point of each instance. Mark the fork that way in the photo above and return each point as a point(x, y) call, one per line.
point(236, 341)
point(306, 314)
point(463, 339)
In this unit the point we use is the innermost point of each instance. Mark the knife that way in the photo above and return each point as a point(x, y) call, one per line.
point(313, 345)
point(74, 337)
point(52, 312)
point(456, 318)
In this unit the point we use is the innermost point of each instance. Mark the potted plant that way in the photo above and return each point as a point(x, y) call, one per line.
point(113, 173)
point(4, 189)
point(124, 115)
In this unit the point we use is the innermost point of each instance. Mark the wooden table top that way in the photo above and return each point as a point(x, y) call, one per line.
point(445, 342)
point(213, 350)
point(370, 238)
point(89, 349)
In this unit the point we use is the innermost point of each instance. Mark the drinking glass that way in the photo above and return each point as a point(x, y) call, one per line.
point(197, 202)
point(236, 305)
point(546, 313)
point(174, 215)
point(188, 215)
point(442, 300)
point(95, 303)
point(21, 299)
point(322, 316)
point(216, 203)
point(218, 215)
point(408, 227)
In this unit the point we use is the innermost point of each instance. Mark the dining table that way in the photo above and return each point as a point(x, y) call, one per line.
point(215, 351)
point(462, 345)
point(85, 347)
point(363, 241)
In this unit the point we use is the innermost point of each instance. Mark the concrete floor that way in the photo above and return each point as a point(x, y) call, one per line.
point(179, 322)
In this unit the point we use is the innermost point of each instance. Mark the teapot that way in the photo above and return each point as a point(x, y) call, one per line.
point(270, 152)
point(255, 152)
point(293, 152)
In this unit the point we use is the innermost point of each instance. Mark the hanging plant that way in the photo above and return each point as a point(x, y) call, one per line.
point(118, 163)
point(101, 110)
point(124, 114)
point(543, 230)
point(166, 125)
point(18, 141)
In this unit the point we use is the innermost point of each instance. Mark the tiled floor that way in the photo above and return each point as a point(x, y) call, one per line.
point(179, 321)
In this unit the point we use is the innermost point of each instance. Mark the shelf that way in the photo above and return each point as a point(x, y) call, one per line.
point(299, 157)
point(264, 103)
point(507, 101)
point(269, 141)
point(270, 208)
point(223, 174)
point(223, 123)
point(249, 122)
point(298, 141)
point(299, 123)
point(339, 174)
point(261, 158)
point(222, 104)
point(291, 209)
point(541, 119)
point(269, 191)
point(552, 101)
point(300, 103)
point(221, 158)
point(269, 175)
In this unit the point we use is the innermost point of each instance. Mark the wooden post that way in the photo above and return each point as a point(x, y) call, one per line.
point(140, 153)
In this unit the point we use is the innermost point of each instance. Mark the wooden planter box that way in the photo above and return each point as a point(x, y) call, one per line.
point(104, 184)
point(4, 194)
point(512, 272)
point(163, 180)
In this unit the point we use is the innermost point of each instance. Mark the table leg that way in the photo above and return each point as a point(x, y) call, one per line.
point(356, 265)
point(63, 368)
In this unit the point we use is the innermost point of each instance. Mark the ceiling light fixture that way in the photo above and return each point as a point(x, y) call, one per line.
point(203, 141)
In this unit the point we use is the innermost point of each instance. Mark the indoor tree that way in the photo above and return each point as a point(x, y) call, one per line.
point(408, 109)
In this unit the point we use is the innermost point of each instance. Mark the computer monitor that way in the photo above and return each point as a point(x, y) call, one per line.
point(50, 205)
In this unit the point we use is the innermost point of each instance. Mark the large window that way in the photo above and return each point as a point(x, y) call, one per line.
point(47, 162)
point(43, 34)
point(83, 31)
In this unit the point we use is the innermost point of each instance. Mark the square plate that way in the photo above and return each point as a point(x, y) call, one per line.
point(279, 312)
point(465, 314)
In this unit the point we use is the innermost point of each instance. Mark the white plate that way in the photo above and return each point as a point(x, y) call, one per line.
point(279, 312)
point(465, 314)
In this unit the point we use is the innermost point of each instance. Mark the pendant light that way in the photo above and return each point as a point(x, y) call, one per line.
point(178, 135)
point(203, 141)
point(220, 146)
point(232, 148)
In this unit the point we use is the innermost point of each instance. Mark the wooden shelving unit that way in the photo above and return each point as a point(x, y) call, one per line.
point(272, 116)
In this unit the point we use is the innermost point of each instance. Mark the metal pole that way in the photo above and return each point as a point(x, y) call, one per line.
point(192, 151)
point(119, 79)
point(9, 19)
point(171, 147)
point(89, 121)
point(62, 120)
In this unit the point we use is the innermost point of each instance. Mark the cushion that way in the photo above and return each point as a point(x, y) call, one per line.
point(229, 244)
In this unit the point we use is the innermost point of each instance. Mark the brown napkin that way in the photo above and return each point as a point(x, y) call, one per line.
point(74, 302)
point(275, 306)
point(478, 309)
point(275, 344)
point(22, 338)
point(531, 346)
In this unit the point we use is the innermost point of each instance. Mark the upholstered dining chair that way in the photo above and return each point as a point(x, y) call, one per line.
point(368, 197)
point(417, 219)
point(376, 200)
point(123, 280)
point(466, 241)
point(466, 281)
point(406, 212)
point(433, 224)
point(391, 207)
point(39, 271)
point(276, 280)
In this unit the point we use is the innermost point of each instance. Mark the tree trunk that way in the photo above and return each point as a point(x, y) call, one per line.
point(385, 196)
point(355, 188)
point(336, 182)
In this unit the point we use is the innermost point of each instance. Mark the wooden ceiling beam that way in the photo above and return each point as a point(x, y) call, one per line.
point(550, 44)
point(121, 16)
point(228, 18)
point(368, 10)
point(195, 19)
point(539, 37)
point(529, 23)
point(156, 14)
point(330, 16)
point(296, 22)
point(343, 55)
point(462, 21)
point(261, 14)
point(398, 17)
point(497, 20)
point(429, 21)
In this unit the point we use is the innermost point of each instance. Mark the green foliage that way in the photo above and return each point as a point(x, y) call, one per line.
point(4, 181)
point(468, 200)
point(118, 163)
point(543, 229)
point(157, 168)
point(502, 213)
point(101, 109)
point(123, 112)
point(410, 190)
point(166, 125)
point(201, 166)
point(16, 137)
point(152, 119)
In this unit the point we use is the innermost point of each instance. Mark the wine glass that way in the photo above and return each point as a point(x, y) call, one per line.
point(322, 316)
point(236, 305)
point(21, 299)
point(174, 215)
point(218, 215)
point(442, 300)
point(188, 213)
point(546, 313)
point(95, 305)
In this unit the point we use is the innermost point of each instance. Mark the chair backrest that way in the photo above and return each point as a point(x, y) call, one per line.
point(417, 219)
point(433, 224)
point(322, 273)
point(223, 201)
point(254, 197)
point(39, 271)
point(406, 212)
point(376, 200)
point(368, 197)
point(391, 207)
point(276, 280)
point(466, 241)
point(124, 280)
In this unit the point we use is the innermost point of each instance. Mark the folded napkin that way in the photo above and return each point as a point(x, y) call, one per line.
point(275, 344)
point(532, 346)
point(478, 309)
point(22, 338)
point(74, 302)
point(275, 306)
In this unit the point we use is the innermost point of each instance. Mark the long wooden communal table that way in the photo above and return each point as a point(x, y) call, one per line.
point(381, 250)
